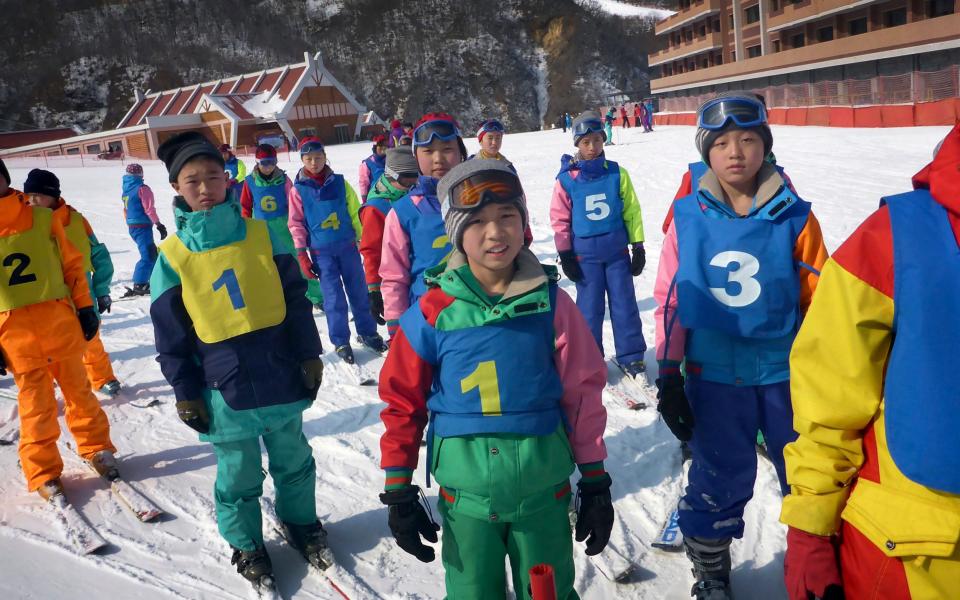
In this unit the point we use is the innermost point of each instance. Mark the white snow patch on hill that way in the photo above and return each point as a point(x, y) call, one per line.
point(622, 9)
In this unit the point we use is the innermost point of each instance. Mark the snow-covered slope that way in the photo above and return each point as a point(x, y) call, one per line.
point(623, 9)
point(842, 171)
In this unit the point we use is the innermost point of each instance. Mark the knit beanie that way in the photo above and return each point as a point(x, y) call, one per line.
point(184, 147)
point(587, 115)
point(400, 161)
point(42, 182)
point(706, 137)
point(4, 172)
point(455, 219)
point(134, 169)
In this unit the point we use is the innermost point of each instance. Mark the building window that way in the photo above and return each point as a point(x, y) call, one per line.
point(753, 14)
point(733, 56)
point(72, 151)
point(731, 22)
point(716, 24)
point(797, 41)
point(895, 18)
point(93, 149)
point(703, 30)
point(857, 26)
point(719, 58)
point(753, 51)
point(825, 34)
point(689, 35)
point(115, 146)
point(774, 5)
point(776, 45)
point(939, 8)
point(308, 131)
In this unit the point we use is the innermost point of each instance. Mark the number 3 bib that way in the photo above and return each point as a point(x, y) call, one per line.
point(30, 269)
point(738, 276)
point(230, 290)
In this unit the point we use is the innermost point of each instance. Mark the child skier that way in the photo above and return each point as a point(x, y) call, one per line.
point(264, 196)
point(235, 338)
point(326, 229)
point(595, 214)
point(608, 120)
point(738, 268)
point(234, 167)
point(372, 166)
point(46, 319)
point(141, 216)
point(876, 468)
point(490, 135)
point(501, 360)
point(43, 190)
point(413, 236)
point(399, 175)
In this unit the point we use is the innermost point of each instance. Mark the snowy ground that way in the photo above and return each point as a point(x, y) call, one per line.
point(842, 171)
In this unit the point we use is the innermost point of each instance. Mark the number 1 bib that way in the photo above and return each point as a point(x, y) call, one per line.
point(30, 268)
point(230, 290)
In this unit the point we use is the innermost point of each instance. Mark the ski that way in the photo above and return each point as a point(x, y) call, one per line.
point(131, 498)
point(265, 589)
point(670, 538)
point(10, 428)
point(639, 395)
point(627, 399)
point(79, 532)
point(142, 402)
point(613, 565)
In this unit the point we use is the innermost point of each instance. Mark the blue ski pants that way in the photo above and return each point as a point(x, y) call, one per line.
point(724, 449)
point(143, 238)
point(239, 483)
point(341, 270)
point(611, 281)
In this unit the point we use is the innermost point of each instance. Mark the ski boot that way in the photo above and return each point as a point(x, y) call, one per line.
point(311, 542)
point(345, 352)
point(105, 465)
point(50, 489)
point(318, 308)
point(255, 566)
point(111, 388)
point(711, 567)
point(138, 289)
point(635, 368)
point(375, 343)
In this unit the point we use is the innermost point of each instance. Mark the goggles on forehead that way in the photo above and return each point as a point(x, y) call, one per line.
point(584, 127)
point(441, 130)
point(743, 112)
point(267, 162)
point(483, 187)
point(491, 126)
point(311, 147)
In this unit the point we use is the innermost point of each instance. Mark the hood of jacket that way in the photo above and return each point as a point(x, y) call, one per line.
point(207, 229)
point(942, 175)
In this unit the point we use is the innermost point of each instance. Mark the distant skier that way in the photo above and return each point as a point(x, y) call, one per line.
point(141, 215)
point(608, 120)
point(648, 106)
point(372, 166)
point(624, 121)
point(234, 167)
point(499, 366)
point(396, 132)
point(636, 114)
point(595, 216)
point(738, 268)
point(236, 339)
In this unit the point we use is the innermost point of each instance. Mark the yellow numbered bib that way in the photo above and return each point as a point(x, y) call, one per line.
point(30, 268)
point(230, 290)
point(77, 234)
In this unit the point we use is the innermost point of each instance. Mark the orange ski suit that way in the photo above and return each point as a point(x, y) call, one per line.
point(41, 339)
point(96, 361)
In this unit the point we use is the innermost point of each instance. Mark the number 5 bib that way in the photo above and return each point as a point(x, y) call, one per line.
point(596, 205)
point(738, 276)
point(230, 290)
point(30, 269)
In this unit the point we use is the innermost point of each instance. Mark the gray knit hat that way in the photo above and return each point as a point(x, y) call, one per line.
point(400, 161)
point(454, 219)
point(587, 115)
point(706, 137)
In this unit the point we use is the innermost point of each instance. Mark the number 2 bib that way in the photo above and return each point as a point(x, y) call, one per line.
point(738, 276)
point(30, 269)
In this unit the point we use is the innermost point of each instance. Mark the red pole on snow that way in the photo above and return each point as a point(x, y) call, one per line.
point(542, 586)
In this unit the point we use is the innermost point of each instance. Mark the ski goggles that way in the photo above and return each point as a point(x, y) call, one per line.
point(743, 112)
point(483, 187)
point(312, 146)
point(491, 126)
point(586, 127)
point(441, 130)
point(267, 162)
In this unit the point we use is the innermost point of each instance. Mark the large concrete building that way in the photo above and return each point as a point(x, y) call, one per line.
point(823, 62)
point(278, 105)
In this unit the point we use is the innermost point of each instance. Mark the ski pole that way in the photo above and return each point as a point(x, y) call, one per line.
point(542, 586)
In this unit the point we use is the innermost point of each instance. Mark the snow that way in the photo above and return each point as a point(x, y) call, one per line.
point(264, 105)
point(842, 171)
point(623, 9)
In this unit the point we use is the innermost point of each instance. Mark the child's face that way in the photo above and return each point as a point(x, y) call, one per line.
point(203, 183)
point(380, 149)
point(438, 157)
point(314, 161)
point(736, 156)
point(42, 200)
point(591, 145)
point(491, 142)
point(493, 236)
point(267, 168)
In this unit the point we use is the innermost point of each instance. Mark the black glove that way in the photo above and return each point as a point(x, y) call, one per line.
point(639, 259)
point(194, 414)
point(104, 303)
point(674, 408)
point(594, 514)
point(3, 364)
point(89, 322)
point(571, 266)
point(163, 231)
point(376, 306)
point(408, 521)
point(833, 592)
point(311, 370)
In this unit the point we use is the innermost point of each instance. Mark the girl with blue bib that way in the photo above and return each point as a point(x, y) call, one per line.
point(140, 213)
point(738, 268)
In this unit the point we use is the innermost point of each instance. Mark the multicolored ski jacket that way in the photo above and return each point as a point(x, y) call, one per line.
point(713, 354)
point(264, 198)
point(456, 313)
point(371, 168)
point(373, 218)
point(867, 442)
point(139, 207)
point(342, 222)
point(230, 281)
